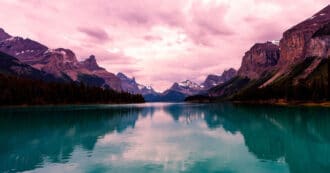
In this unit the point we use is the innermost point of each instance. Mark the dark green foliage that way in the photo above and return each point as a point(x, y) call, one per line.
point(21, 91)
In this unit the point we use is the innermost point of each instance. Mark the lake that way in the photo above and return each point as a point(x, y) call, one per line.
point(165, 137)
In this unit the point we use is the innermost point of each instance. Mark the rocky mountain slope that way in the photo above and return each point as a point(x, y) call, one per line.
point(60, 62)
point(13, 67)
point(297, 69)
point(186, 87)
point(131, 86)
point(261, 58)
point(92, 68)
point(214, 80)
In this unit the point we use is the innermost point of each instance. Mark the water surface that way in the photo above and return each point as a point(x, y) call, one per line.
point(164, 137)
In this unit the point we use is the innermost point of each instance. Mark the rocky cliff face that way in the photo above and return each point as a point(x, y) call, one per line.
point(58, 62)
point(309, 38)
point(319, 44)
point(90, 66)
point(62, 62)
point(214, 80)
point(261, 58)
point(298, 42)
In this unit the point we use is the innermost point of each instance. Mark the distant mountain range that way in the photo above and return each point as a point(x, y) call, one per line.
point(178, 91)
point(295, 70)
point(214, 80)
point(29, 58)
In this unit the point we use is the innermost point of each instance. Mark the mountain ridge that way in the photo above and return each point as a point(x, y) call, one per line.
point(298, 70)
point(59, 62)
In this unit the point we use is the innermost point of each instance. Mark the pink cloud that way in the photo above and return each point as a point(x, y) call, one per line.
point(157, 41)
point(96, 34)
point(152, 38)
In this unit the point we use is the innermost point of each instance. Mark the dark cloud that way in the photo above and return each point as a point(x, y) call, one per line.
point(95, 33)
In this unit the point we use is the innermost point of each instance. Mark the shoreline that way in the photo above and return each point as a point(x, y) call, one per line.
point(250, 102)
point(286, 103)
point(69, 104)
point(276, 102)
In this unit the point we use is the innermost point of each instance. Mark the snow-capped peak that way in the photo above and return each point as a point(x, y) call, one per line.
point(141, 86)
point(188, 84)
point(149, 87)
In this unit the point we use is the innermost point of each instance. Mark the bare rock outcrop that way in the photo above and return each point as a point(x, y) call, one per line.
point(306, 39)
point(260, 58)
point(90, 66)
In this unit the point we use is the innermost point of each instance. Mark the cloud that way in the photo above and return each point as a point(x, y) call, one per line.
point(158, 41)
point(152, 38)
point(95, 33)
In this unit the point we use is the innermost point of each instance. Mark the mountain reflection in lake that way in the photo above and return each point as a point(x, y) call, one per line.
point(165, 137)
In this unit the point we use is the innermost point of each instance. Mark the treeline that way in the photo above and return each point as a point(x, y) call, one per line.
point(21, 91)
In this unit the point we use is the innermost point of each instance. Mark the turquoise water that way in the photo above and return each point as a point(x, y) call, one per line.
point(161, 137)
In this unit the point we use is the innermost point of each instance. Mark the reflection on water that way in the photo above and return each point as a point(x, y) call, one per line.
point(165, 138)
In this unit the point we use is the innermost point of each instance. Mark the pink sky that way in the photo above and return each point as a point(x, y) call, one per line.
point(158, 42)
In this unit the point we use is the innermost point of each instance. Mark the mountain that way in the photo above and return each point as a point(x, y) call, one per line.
point(214, 80)
point(308, 38)
point(60, 62)
point(177, 92)
point(91, 64)
point(11, 66)
point(261, 58)
point(93, 68)
point(131, 86)
point(128, 84)
point(186, 87)
point(3, 34)
point(26, 50)
point(181, 90)
point(32, 74)
point(297, 69)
